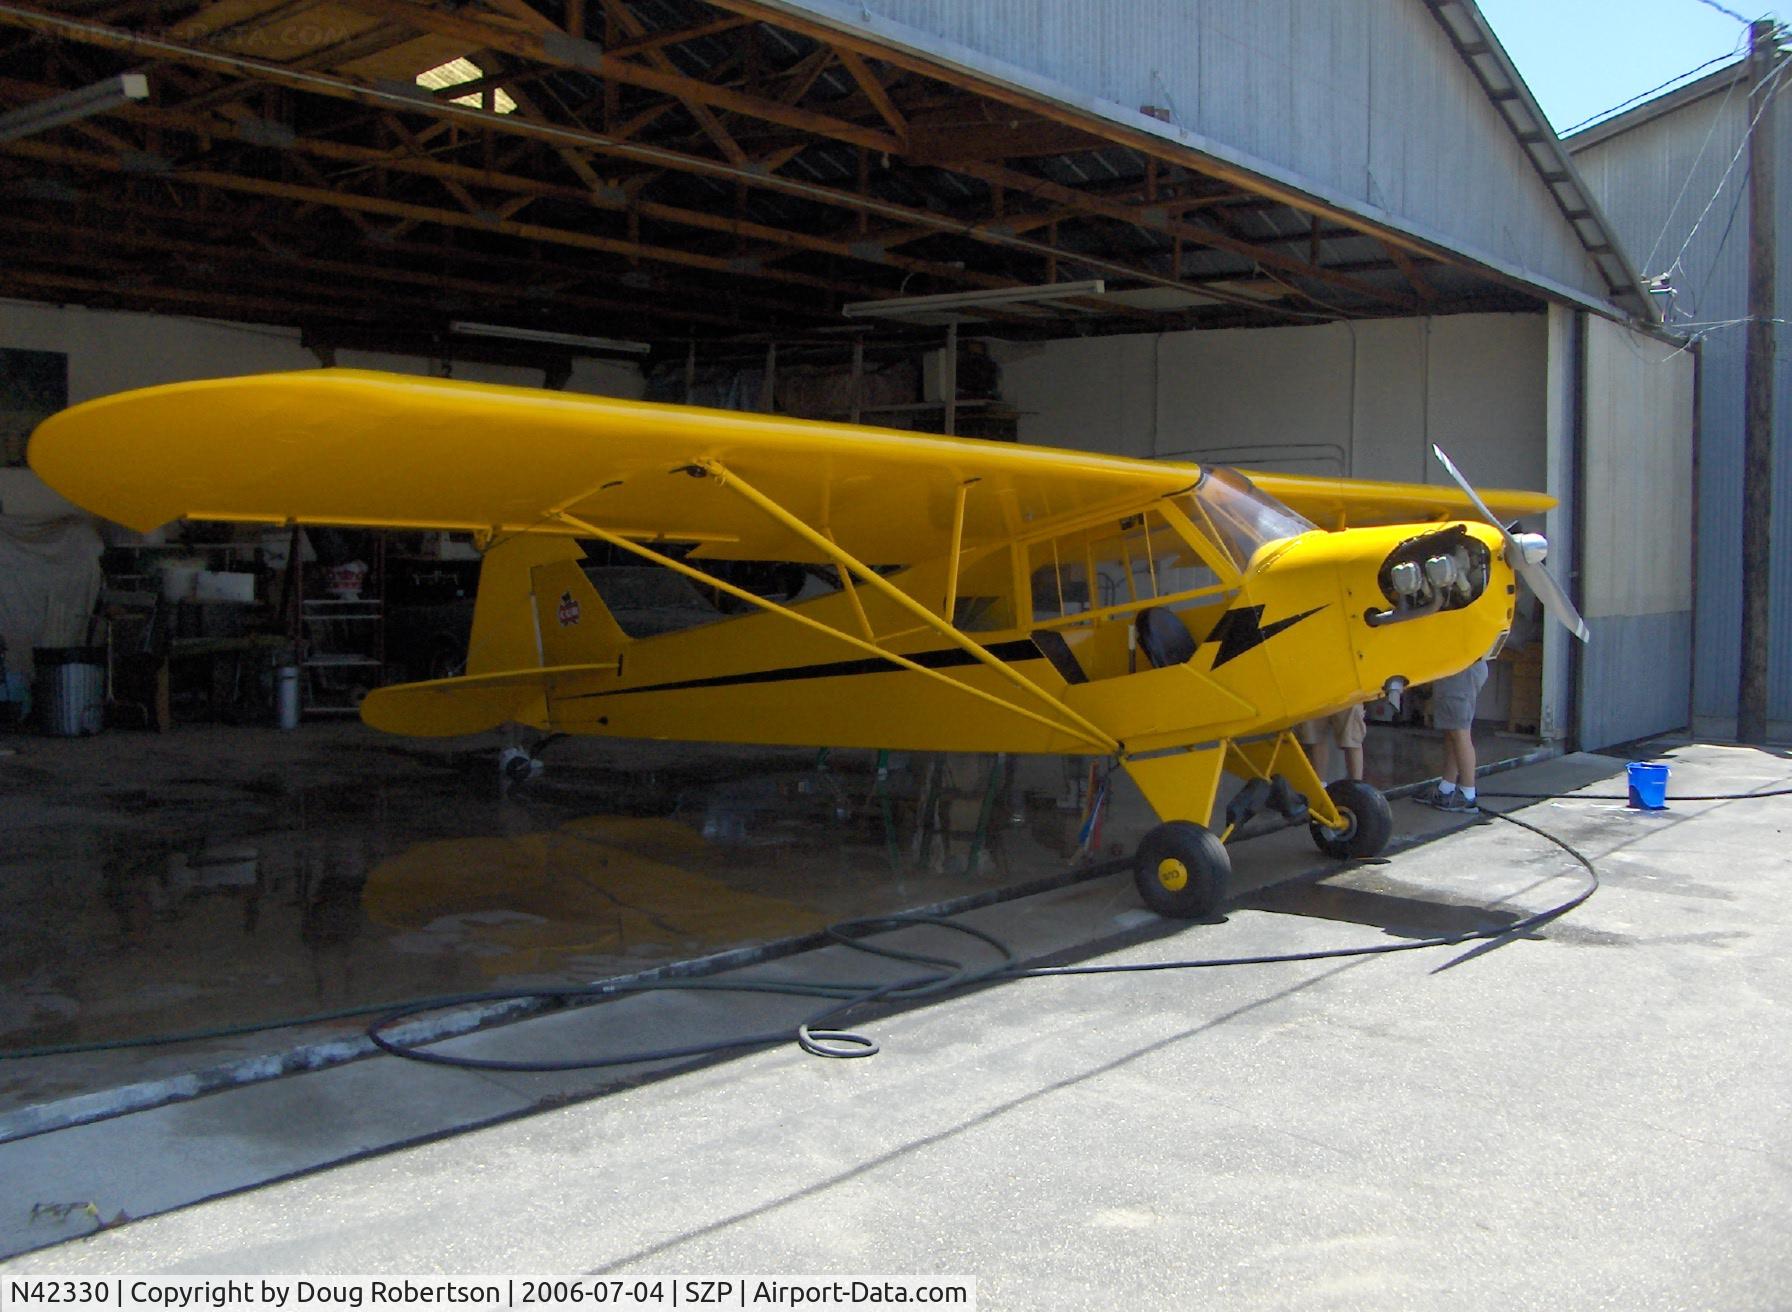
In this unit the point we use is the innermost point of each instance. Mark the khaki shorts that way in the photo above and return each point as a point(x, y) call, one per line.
point(1346, 728)
point(1453, 699)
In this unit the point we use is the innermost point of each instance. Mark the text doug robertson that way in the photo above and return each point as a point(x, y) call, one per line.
point(308, 1293)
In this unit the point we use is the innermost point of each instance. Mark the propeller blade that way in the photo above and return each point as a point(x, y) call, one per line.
point(1555, 601)
point(1548, 591)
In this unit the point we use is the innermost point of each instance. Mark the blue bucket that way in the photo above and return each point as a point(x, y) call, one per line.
point(1648, 786)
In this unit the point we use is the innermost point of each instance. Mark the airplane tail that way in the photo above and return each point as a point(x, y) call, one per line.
point(536, 608)
point(536, 619)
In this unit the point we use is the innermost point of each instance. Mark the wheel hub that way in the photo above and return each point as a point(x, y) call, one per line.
point(1172, 874)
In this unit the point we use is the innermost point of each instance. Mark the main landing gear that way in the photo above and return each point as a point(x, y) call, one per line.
point(1182, 868)
point(1368, 823)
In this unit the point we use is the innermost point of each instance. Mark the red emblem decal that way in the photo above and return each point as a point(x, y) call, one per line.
point(569, 610)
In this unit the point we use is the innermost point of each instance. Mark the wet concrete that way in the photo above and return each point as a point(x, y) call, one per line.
point(218, 878)
point(1583, 1117)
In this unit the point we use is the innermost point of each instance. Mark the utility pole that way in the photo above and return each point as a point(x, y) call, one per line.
point(1757, 390)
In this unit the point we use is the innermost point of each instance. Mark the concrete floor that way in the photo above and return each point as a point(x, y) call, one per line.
point(1593, 1115)
point(219, 877)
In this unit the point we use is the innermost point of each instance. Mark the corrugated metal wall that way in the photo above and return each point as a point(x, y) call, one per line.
point(1365, 99)
point(1636, 525)
point(1655, 181)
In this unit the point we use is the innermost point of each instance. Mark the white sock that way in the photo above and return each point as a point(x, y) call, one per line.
point(1468, 794)
point(1444, 789)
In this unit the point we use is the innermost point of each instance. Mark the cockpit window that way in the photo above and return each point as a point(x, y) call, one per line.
point(1243, 517)
point(1138, 558)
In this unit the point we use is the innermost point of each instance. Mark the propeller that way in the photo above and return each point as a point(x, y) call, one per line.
point(1526, 557)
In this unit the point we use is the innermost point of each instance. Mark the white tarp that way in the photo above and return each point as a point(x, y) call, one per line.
point(49, 581)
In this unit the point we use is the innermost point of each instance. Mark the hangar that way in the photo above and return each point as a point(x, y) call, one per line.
point(1320, 246)
point(1666, 171)
point(1230, 234)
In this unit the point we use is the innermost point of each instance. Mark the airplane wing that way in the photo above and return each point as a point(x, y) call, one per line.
point(1336, 503)
point(347, 447)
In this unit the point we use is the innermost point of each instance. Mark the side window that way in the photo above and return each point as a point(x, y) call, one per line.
point(1136, 559)
point(985, 594)
point(1060, 583)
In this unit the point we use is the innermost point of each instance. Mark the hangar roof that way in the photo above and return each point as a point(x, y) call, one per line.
point(675, 169)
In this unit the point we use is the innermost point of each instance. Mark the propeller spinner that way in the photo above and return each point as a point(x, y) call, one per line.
point(1526, 557)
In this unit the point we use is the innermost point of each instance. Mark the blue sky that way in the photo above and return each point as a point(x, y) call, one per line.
point(1580, 57)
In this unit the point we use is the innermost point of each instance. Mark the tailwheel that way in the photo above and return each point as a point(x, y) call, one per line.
point(1181, 869)
point(1367, 821)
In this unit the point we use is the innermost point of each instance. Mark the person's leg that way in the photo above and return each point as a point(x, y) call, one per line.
point(1449, 772)
point(1464, 741)
point(1457, 791)
point(1350, 727)
point(1316, 739)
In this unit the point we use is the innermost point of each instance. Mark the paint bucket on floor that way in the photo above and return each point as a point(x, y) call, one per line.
point(1648, 786)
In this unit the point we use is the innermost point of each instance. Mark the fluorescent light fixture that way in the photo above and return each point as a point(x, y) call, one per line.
point(578, 343)
point(900, 306)
point(72, 106)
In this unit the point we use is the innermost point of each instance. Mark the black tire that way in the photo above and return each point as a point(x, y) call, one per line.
point(1368, 821)
point(1181, 869)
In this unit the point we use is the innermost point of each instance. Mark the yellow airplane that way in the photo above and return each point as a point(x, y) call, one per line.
point(992, 597)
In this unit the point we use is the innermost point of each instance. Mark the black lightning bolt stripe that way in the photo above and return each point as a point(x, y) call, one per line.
point(1243, 630)
point(1023, 649)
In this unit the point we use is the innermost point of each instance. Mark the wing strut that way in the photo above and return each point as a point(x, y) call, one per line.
point(1101, 742)
point(941, 625)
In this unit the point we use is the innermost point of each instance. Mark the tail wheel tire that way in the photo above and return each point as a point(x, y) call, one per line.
point(1181, 869)
point(1368, 823)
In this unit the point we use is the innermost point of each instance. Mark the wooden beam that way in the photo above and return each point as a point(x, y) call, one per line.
point(677, 37)
point(352, 274)
point(875, 93)
point(657, 58)
point(991, 88)
point(803, 74)
point(228, 217)
point(356, 204)
point(268, 309)
point(562, 51)
point(16, 13)
point(1409, 269)
point(1045, 189)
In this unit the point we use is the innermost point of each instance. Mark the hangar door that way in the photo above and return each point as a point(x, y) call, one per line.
point(1636, 544)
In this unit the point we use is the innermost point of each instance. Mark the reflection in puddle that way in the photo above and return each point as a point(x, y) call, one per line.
point(234, 901)
point(610, 886)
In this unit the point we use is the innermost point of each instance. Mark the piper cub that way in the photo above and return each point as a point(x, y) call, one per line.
point(991, 597)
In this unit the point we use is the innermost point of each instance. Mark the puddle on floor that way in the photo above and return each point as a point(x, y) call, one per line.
point(210, 903)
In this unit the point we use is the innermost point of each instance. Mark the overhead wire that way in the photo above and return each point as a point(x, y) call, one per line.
point(1774, 86)
point(1644, 95)
point(1725, 11)
point(1691, 170)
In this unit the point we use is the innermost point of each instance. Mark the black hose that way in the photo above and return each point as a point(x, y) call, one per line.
point(954, 975)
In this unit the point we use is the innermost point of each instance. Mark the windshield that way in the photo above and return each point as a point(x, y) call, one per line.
point(1243, 517)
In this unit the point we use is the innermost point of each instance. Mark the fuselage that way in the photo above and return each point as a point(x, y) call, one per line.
point(1291, 637)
